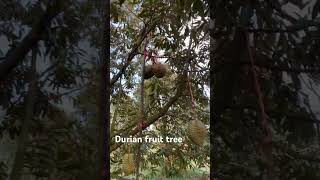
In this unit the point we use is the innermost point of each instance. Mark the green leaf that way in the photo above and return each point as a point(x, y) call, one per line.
point(198, 7)
point(114, 12)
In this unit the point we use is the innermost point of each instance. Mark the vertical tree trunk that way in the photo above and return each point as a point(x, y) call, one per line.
point(211, 65)
point(103, 95)
point(142, 111)
point(18, 164)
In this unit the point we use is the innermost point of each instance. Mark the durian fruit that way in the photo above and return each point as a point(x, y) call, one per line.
point(128, 165)
point(148, 72)
point(197, 132)
point(160, 70)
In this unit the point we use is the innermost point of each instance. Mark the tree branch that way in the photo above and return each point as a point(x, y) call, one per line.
point(302, 117)
point(15, 55)
point(288, 29)
point(144, 33)
point(296, 154)
point(313, 69)
point(155, 117)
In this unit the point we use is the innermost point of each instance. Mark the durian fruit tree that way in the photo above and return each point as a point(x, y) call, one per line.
point(196, 130)
point(168, 107)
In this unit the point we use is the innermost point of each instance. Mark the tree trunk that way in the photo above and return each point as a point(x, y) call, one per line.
point(103, 98)
point(18, 164)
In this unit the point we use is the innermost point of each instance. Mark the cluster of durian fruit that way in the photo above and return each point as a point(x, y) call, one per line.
point(158, 70)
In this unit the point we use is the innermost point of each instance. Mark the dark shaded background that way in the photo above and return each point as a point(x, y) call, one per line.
point(49, 51)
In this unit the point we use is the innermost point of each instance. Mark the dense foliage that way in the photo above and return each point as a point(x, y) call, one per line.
point(46, 130)
point(286, 48)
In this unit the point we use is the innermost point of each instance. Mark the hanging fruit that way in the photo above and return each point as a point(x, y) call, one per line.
point(148, 72)
point(128, 164)
point(197, 132)
point(160, 70)
point(156, 69)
